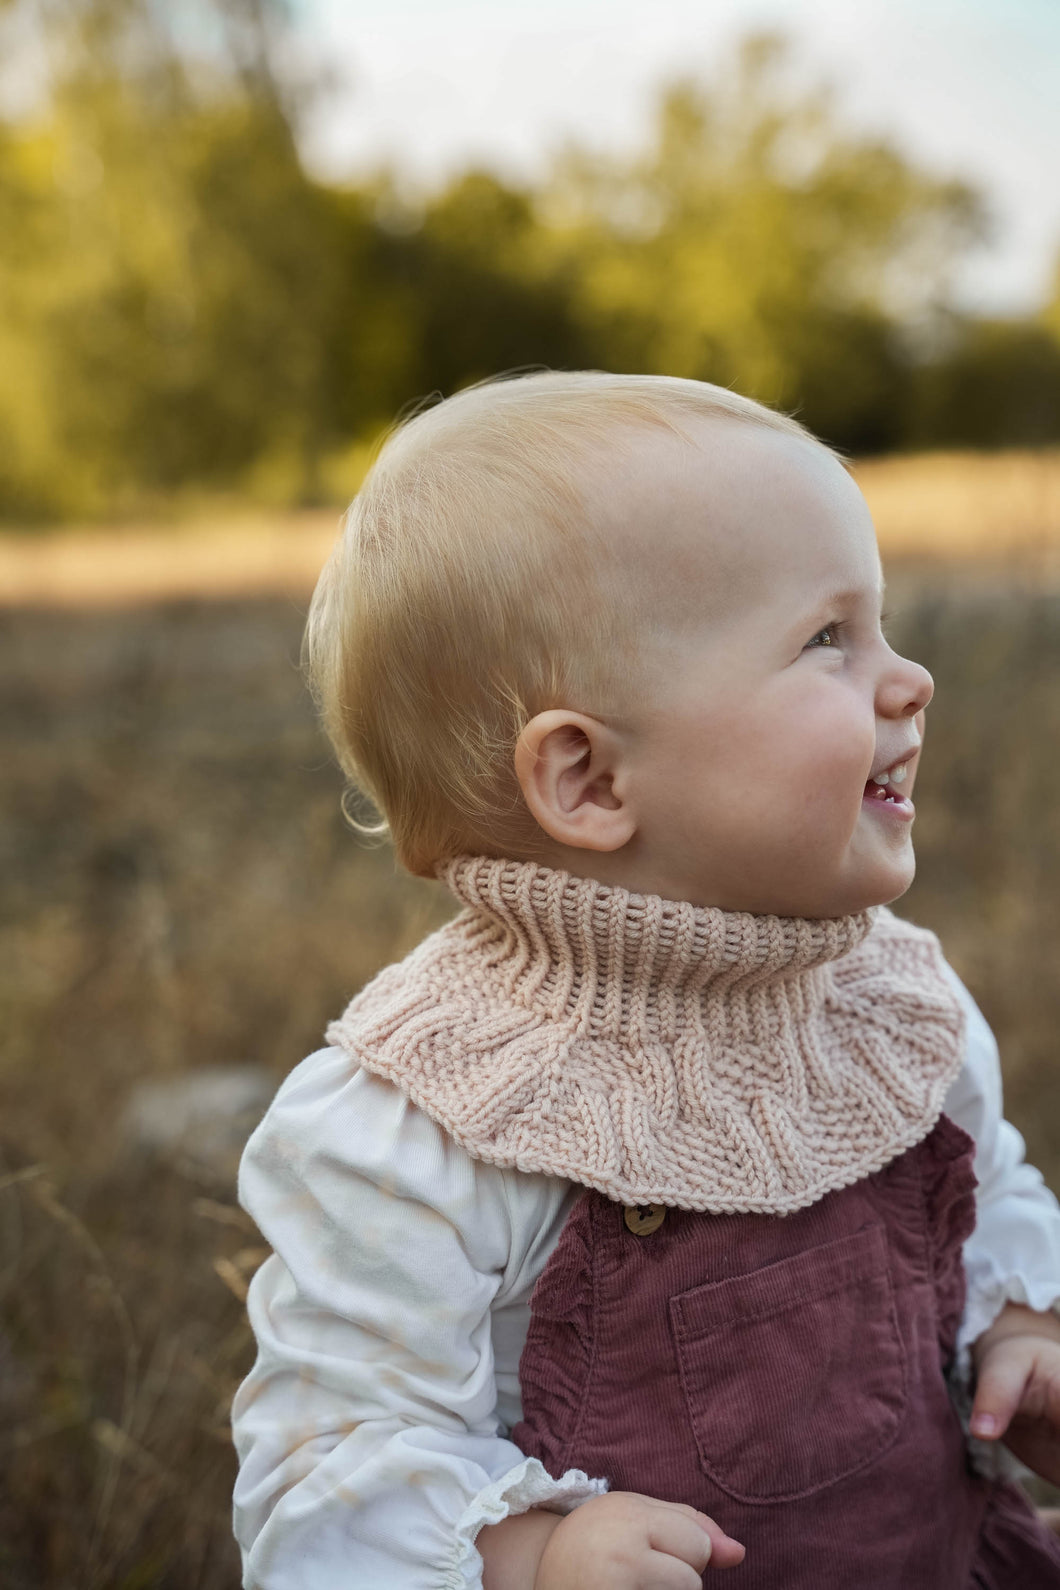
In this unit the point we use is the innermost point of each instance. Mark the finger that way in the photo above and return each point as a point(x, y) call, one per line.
point(725, 1551)
point(681, 1537)
point(1003, 1377)
point(663, 1572)
point(1046, 1386)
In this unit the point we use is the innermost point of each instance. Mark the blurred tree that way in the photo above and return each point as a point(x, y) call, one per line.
point(490, 296)
point(435, 295)
point(182, 305)
point(1051, 312)
point(996, 385)
point(169, 274)
point(757, 243)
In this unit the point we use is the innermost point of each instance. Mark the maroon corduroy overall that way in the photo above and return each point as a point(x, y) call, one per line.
point(786, 1375)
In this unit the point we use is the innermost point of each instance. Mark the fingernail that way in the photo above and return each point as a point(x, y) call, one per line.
point(984, 1424)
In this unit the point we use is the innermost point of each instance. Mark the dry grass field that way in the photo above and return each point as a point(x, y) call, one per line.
point(994, 511)
point(180, 892)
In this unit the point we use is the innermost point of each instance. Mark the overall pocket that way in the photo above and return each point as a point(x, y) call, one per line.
point(794, 1376)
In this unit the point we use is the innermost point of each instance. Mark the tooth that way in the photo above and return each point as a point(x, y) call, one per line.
point(882, 778)
point(898, 773)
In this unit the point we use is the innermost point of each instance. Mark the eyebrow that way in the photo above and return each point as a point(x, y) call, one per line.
point(837, 596)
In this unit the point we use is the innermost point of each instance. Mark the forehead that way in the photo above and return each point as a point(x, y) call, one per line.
point(732, 514)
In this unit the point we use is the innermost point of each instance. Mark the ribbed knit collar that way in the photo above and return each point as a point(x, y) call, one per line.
point(659, 1052)
point(625, 966)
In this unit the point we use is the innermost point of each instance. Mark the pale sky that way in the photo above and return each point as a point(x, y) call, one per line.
point(968, 87)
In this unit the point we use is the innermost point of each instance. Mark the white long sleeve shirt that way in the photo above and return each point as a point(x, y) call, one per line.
point(373, 1429)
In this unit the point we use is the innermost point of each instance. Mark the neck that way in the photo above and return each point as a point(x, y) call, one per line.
point(634, 871)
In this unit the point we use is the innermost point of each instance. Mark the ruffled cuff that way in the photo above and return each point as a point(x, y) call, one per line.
point(529, 1485)
point(988, 1292)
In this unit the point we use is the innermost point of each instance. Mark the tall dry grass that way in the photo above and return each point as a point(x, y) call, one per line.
point(180, 890)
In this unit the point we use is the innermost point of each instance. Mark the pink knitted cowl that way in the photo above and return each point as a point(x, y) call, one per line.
point(659, 1052)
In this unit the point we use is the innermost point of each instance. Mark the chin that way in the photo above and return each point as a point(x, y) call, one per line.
point(862, 893)
point(888, 888)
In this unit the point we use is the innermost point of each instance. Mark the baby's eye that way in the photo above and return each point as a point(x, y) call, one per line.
point(828, 636)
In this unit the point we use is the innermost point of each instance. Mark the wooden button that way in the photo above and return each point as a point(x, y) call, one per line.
point(643, 1219)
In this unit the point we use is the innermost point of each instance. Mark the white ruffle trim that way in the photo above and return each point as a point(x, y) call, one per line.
point(988, 1292)
point(529, 1485)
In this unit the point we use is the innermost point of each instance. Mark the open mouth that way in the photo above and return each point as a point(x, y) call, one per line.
point(885, 790)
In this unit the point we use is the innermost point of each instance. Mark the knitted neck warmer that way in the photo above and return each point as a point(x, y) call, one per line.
point(660, 1052)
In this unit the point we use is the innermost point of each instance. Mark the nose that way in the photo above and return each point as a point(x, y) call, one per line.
point(905, 688)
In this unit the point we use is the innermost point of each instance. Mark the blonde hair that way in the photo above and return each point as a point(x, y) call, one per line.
point(463, 596)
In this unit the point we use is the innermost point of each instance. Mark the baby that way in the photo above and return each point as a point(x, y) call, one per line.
point(626, 1227)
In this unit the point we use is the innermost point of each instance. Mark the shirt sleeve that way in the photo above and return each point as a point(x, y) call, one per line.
point(370, 1448)
point(1013, 1255)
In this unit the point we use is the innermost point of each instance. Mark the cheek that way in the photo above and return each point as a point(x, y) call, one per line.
point(828, 742)
point(837, 755)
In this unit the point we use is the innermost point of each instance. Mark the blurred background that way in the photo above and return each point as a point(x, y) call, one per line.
point(237, 238)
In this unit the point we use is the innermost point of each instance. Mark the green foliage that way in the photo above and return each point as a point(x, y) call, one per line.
point(182, 307)
point(756, 244)
point(489, 297)
point(999, 385)
point(169, 293)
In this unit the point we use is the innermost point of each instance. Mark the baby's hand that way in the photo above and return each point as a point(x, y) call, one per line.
point(1018, 1387)
point(623, 1541)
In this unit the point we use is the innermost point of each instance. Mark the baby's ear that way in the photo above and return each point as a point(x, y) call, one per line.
point(570, 770)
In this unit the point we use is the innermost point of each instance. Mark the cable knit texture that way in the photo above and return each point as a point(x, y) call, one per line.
point(661, 1052)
